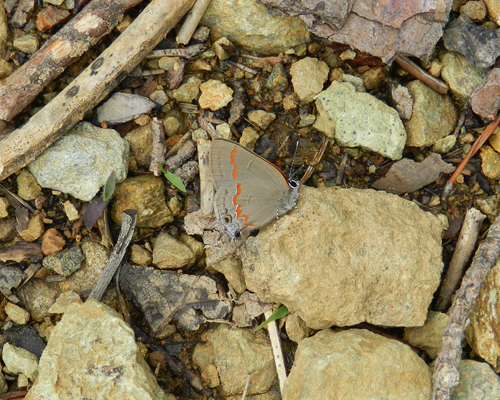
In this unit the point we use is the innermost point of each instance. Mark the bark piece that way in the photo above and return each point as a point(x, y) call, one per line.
point(75, 38)
point(407, 175)
point(24, 144)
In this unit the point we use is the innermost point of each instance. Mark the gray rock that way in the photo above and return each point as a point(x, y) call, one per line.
point(359, 119)
point(65, 262)
point(123, 107)
point(20, 361)
point(237, 353)
point(461, 76)
point(480, 45)
point(81, 161)
point(478, 381)
point(356, 256)
point(248, 24)
point(41, 295)
point(434, 116)
point(92, 353)
point(356, 364)
point(187, 92)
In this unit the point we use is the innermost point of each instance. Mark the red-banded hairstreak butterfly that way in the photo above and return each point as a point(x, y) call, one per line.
point(250, 191)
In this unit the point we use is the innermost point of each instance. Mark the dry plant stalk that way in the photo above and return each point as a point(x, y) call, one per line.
point(463, 250)
point(25, 143)
point(274, 337)
point(446, 370)
point(91, 24)
point(191, 22)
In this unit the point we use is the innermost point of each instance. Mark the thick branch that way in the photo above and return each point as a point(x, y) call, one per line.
point(95, 21)
point(24, 144)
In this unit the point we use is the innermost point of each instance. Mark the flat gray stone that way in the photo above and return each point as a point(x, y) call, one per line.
point(358, 119)
point(81, 161)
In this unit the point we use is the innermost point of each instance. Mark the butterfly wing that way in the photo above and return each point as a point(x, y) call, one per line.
point(233, 163)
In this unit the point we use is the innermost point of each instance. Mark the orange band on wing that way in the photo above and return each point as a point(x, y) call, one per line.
point(238, 206)
point(235, 167)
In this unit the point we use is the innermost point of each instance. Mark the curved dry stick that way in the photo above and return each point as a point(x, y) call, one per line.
point(463, 250)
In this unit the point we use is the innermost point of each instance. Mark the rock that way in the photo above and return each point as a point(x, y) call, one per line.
point(483, 334)
point(461, 76)
point(145, 195)
point(40, 295)
point(65, 262)
point(374, 77)
point(493, 10)
point(249, 137)
point(172, 126)
point(80, 162)
point(296, 328)
point(356, 256)
point(356, 364)
point(26, 43)
point(224, 130)
point(141, 144)
point(237, 353)
point(444, 145)
point(490, 162)
point(17, 314)
point(159, 97)
point(92, 353)
point(140, 256)
point(35, 229)
point(483, 100)
point(18, 360)
point(430, 336)
point(231, 269)
point(214, 95)
point(10, 277)
point(475, 10)
point(433, 116)
point(63, 301)
point(123, 107)
point(359, 119)
point(187, 92)
point(306, 120)
point(403, 102)
point(477, 381)
point(479, 45)
point(71, 211)
point(27, 188)
point(24, 337)
point(7, 231)
point(277, 79)
point(52, 242)
point(308, 77)
point(49, 17)
point(261, 118)
point(239, 20)
point(4, 207)
point(170, 253)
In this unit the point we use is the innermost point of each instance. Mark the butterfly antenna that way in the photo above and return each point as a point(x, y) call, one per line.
point(290, 175)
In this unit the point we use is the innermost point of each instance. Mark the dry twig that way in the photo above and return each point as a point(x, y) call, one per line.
point(25, 143)
point(191, 22)
point(463, 250)
point(446, 370)
point(277, 351)
point(423, 76)
point(477, 145)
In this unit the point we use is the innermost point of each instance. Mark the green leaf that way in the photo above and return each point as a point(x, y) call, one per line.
point(279, 313)
point(173, 179)
point(109, 188)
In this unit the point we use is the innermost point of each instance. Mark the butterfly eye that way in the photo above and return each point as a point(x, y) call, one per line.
point(293, 184)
